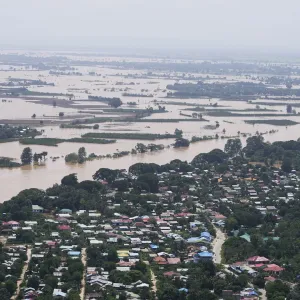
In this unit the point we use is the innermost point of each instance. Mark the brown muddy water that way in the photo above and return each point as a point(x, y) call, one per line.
point(15, 180)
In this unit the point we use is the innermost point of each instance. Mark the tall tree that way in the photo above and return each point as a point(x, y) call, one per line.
point(26, 156)
point(233, 147)
point(81, 155)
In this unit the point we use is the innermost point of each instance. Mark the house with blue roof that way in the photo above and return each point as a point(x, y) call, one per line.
point(206, 235)
point(74, 253)
point(203, 256)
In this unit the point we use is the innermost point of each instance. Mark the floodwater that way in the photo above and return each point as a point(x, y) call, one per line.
point(15, 180)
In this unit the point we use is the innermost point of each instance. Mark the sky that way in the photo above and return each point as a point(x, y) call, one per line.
point(266, 25)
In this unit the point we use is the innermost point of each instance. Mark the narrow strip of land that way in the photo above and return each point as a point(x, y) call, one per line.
point(217, 245)
point(83, 260)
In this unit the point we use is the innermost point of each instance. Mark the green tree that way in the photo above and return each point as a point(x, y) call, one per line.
point(71, 158)
point(70, 180)
point(115, 102)
point(10, 286)
point(289, 109)
point(4, 294)
point(81, 155)
point(277, 290)
point(26, 156)
point(73, 295)
point(233, 147)
point(96, 126)
point(181, 142)
point(148, 182)
point(231, 223)
point(286, 165)
point(141, 148)
point(178, 132)
point(106, 174)
point(33, 282)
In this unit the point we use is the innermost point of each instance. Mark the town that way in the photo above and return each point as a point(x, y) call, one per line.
point(224, 226)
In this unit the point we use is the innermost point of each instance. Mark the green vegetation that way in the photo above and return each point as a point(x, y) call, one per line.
point(7, 162)
point(137, 95)
point(269, 103)
point(90, 140)
point(10, 133)
point(26, 156)
point(114, 102)
point(236, 90)
point(181, 143)
point(79, 157)
point(166, 120)
point(55, 141)
point(229, 114)
point(42, 141)
point(129, 136)
point(22, 91)
point(274, 122)
point(71, 126)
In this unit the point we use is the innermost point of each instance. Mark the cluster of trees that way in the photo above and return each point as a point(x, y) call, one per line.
point(206, 67)
point(9, 276)
point(286, 152)
point(79, 157)
point(106, 257)
point(71, 275)
point(202, 283)
point(142, 148)
point(7, 162)
point(235, 90)
point(181, 142)
point(38, 157)
point(114, 102)
point(10, 132)
point(27, 157)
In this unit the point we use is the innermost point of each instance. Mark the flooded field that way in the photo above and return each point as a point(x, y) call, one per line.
point(70, 92)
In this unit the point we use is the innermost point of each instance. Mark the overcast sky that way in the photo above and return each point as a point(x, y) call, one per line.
point(228, 24)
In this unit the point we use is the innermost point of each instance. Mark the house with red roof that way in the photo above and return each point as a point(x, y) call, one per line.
point(172, 274)
point(173, 260)
point(254, 260)
point(160, 260)
point(64, 227)
point(10, 224)
point(273, 269)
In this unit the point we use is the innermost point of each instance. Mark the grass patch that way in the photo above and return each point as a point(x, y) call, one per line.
point(90, 141)
point(186, 104)
point(272, 122)
point(211, 109)
point(7, 162)
point(41, 141)
point(8, 140)
point(294, 104)
point(54, 142)
point(128, 136)
point(69, 126)
point(229, 114)
point(167, 120)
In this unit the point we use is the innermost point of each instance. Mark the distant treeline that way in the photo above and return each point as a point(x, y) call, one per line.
point(236, 90)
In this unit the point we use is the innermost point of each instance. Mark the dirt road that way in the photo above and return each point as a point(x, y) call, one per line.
point(153, 279)
point(83, 260)
point(217, 245)
point(217, 249)
point(19, 282)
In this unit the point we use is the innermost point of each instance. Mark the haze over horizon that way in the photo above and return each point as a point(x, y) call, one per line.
point(268, 26)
